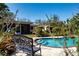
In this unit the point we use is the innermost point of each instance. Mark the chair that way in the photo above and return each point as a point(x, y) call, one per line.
point(26, 44)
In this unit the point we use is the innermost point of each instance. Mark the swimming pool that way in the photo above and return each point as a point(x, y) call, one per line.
point(58, 42)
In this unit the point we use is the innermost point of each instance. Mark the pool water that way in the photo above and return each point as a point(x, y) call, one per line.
point(58, 42)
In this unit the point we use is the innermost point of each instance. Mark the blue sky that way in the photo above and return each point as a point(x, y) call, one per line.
point(35, 11)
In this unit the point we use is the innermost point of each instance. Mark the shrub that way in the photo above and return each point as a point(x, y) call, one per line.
point(7, 46)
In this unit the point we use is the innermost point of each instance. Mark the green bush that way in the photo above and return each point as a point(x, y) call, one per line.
point(41, 33)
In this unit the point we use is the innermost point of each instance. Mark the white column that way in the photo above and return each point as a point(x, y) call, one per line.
point(20, 28)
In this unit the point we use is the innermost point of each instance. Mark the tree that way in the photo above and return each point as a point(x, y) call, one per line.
point(3, 10)
point(6, 16)
point(3, 6)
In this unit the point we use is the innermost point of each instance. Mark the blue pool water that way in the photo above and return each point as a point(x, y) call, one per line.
point(58, 42)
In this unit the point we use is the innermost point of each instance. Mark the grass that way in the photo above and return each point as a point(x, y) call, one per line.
point(31, 35)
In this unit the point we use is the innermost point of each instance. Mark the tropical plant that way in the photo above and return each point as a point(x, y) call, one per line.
point(7, 46)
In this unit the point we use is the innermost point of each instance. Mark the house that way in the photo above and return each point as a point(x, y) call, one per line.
point(22, 27)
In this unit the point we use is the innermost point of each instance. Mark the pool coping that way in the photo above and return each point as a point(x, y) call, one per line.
point(51, 37)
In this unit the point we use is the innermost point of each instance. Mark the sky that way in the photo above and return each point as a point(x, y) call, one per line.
point(35, 11)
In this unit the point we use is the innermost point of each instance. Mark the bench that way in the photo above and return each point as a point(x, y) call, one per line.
point(26, 44)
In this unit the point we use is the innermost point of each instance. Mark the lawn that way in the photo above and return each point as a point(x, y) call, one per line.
point(31, 35)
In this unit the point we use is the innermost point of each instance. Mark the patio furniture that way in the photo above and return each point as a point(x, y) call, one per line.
point(26, 44)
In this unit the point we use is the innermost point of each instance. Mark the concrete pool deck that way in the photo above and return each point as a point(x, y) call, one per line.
point(48, 51)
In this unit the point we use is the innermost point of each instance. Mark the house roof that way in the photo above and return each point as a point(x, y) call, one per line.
point(22, 22)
